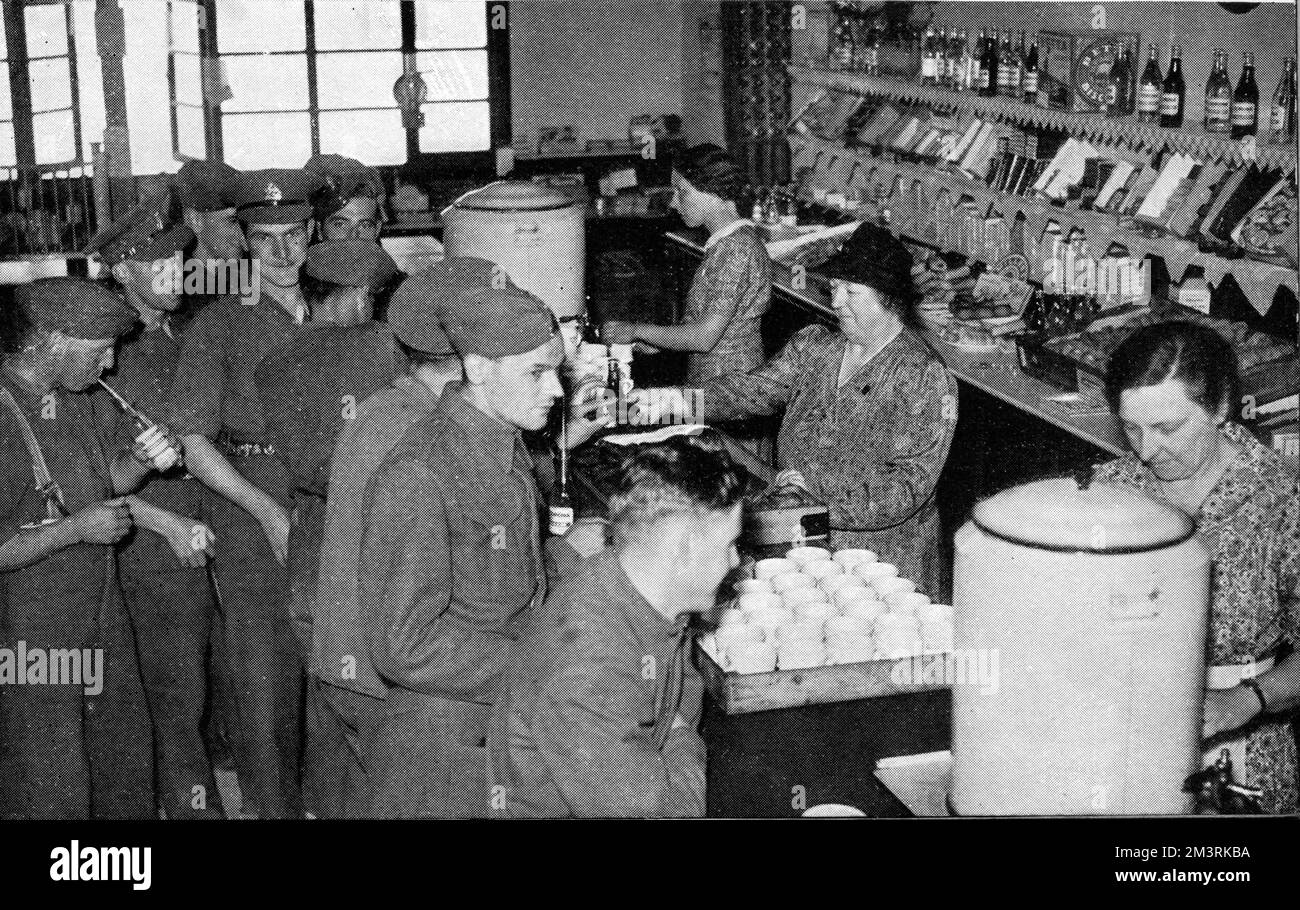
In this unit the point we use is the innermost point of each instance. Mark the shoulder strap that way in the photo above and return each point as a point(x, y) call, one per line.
point(45, 484)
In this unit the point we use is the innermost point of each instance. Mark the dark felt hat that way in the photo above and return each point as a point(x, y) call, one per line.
point(77, 307)
point(874, 257)
point(207, 186)
point(355, 263)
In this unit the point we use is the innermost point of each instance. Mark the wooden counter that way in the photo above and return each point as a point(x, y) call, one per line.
point(996, 374)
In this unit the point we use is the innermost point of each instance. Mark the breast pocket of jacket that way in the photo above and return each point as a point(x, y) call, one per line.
point(491, 563)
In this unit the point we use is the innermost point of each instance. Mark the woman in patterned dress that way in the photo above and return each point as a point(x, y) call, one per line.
point(869, 411)
point(1173, 386)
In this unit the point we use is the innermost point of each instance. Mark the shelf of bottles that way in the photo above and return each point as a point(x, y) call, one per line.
point(1092, 126)
point(756, 87)
point(950, 211)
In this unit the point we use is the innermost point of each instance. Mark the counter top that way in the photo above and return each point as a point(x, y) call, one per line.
point(996, 373)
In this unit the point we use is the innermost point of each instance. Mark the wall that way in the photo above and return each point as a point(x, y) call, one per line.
point(703, 117)
point(594, 64)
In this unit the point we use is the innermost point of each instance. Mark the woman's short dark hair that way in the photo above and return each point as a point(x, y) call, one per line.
point(710, 170)
point(682, 475)
point(1194, 354)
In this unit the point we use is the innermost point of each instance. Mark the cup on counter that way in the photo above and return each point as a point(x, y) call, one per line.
point(788, 581)
point(766, 569)
point(747, 603)
point(905, 601)
point(752, 657)
point(864, 609)
point(730, 617)
point(937, 636)
point(873, 570)
point(899, 647)
point(853, 594)
point(805, 555)
point(833, 583)
point(813, 612)
point(767, 619)
point(894, 623)
point(863, 652)
point(727, 639)
point(821, 569)
point(753, 586)
point(800, 654)
point(934, 613)
point(848, 626)
point(852, 556)
point(891, 585)
point(798, 630)
point(796, 596)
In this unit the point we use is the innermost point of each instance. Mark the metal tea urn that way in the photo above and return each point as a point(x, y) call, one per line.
point(1095, 600)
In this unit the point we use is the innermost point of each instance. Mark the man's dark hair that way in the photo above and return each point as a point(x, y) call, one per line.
point(710, 170)
point(681, 476)
point(1196, 355)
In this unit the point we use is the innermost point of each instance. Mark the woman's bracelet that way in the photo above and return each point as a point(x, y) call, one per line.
point(1251, 684)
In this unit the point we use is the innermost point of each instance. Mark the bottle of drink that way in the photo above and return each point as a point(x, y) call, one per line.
point(991, 64)
point(1281, 117)
point(928, 71)
point(1218, 95)
point(1174, 91)
point(1014, 62)
point(560, 508)
point(1029, 80)
point(1131, 51)
point(790, 207)
point(760, 205)
point(981, 63)
point(1148, 100)
point(1245, 100)
point(968, 69)
point(149, 435)
point(1117, 85)
point(1005, 64)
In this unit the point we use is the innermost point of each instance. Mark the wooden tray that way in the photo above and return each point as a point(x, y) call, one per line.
point(738, 693)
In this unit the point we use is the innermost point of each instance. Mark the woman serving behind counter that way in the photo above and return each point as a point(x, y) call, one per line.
point(869, 410)
point(1173, 386)
point(732, 286)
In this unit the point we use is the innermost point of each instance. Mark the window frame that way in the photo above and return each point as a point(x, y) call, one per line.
point(452, 164)
point(19, 63)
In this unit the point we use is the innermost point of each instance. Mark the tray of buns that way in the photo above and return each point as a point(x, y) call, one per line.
point(816, 626)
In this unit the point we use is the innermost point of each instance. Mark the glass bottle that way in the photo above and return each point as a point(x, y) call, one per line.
point(1148, 100)
point(1029, 79)
point(1173, 93)
point(1218, 96)
point(1245, 100)
point(1281, 118)
point(1117, 85)
point(560, 508)
point(150, 435)
point(928, 72)
point(990, 65)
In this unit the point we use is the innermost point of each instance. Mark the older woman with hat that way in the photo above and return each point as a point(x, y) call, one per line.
point(1174, 387)
point(868, 411)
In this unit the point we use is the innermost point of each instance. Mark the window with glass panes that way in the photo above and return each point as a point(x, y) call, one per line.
point(294, 79)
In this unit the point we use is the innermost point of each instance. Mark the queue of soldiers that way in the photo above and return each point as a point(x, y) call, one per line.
point(343, 591)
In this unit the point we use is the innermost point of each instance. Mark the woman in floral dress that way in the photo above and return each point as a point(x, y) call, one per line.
point(869, 411)
point(1173, 386)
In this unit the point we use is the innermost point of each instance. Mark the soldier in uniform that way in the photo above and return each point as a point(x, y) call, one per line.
point(350, 205)
point(77, 746)
point(163, 577)
point(205, 191)
point(348, 696)
point(219, 416)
